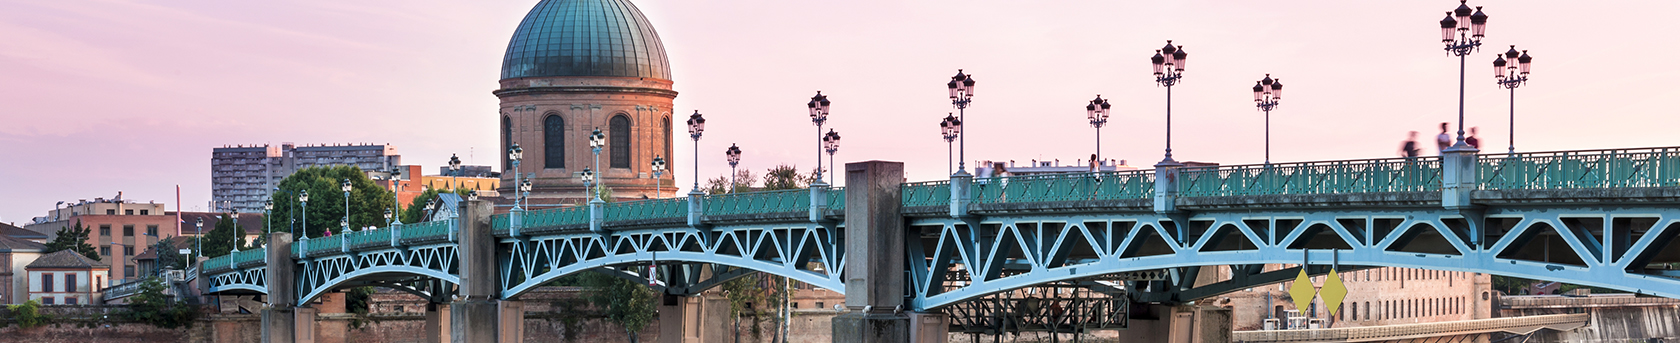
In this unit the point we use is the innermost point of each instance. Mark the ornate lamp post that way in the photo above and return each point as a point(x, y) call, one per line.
point(344, 184)
point(696, 127)
point(658, 171)
point(515, 154)
point(1267, 92)
point(1469, 27)
point(1169, 70)
point(734, 155)
point(525, 191)
point(198, 241)
point(303, 197)
point(962, 91)
point(268, 210)
point(950, 128)
point(588, 177)
point(596, 142)
point(387, 216)
point(1511, 71)
point(831, 144)
point(819, 115)
point(1097, 113)
point(233, 214)
point(396, 196)
point(454, 170)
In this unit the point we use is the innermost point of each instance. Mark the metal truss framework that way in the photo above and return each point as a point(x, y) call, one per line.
point(964, 259)
point(401, 268)
point(690, 260)
point(254, 280)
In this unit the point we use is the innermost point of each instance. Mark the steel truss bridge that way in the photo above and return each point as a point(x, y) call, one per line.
point(1604, 218)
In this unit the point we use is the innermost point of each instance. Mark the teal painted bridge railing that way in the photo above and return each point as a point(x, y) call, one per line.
point(248, 256)
point(1618, 168)
point(837, 198)
point(425, 230)
point(1133, 184)
point(646, 209)
point(929, 193)
point(218, 263)
point(325, 245)
point(1328, 177)
point(370, 237)
point(791, 200)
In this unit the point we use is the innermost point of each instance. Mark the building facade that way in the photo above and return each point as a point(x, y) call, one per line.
point(118, 228)
point(574, 66)
point(15, 254)
point(1376, 296)
point(67, 278)
point(243, 177)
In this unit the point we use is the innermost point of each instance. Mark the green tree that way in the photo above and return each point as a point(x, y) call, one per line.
point(787, 177)
point(411, 214)
point(755, 294)
point(368, 200)
point(153, 307)
point(220, 240)
point(168, 257)
point(28, 314)
point(623, 302)
point(720, 185)
point(76, 239)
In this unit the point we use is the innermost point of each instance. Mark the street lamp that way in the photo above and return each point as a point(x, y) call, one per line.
point(1169, 70)
point(696, 127)
point(950, 128)
point(525, 190)
point(233, 214)
point(344, 184)
point(1511, 71)
point(387, 217)
point(831, 144)
point(515, 154)
point(658, 171)
point(268, 210)
point(1097, 113)
point(303, 197)
point(198, 241)
point(596, 142)
point(454, 170)
point(962, 91)
point(396, 196)
point(819, 115)
point(734, 155)
point(588, 177)
point(1267, 92)
point(1469, 26)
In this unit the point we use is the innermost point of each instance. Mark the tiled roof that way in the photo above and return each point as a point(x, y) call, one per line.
point(8, 244)
point(18, 232)
point(65, 259)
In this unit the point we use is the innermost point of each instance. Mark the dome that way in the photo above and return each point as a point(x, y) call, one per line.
point(585, 38)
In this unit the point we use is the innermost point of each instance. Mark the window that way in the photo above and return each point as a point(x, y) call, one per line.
point(1367, 310)
point(70, 283)
point(104, 229)
point(128, 251)
point(554, 142)
point(618, 141)
point(98, 281)
point(111, 211)
point(128, 230)
point(128, 212)
point(46, 300)
point(145, 212)
point(668, 142)
point(70, 301)
point(151, 230)
point(820, 305)
point(106, 251)
point(128, 270)
point(507, 143)
point(47, 283)
point(795, 304)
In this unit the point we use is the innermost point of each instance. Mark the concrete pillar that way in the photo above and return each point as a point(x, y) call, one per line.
point(278, 317)
point(303, 330)
point(511, 324)
point(1458, 177)
point(678, 320)
point(437, 323)
point(473, 318)
point(1166, 186)
point(874, 267)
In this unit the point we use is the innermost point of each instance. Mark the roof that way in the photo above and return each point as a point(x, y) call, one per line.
point(585, 38)
point(14, 244)
point(251, 222)
point(18, 232)
point(65, 259)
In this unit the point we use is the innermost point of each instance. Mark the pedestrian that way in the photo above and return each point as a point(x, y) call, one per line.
point(1472, 141)
point(1442, 141)
point(1409, 148)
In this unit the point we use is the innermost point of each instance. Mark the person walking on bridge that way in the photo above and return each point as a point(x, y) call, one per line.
point(1409, 148)
point(1443, 141)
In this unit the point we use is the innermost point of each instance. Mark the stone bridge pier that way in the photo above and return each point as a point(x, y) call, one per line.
point(874, 246)
point(478, 314)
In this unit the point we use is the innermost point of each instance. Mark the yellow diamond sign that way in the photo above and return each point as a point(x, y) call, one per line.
point(1302, 291)
point(1333, 292)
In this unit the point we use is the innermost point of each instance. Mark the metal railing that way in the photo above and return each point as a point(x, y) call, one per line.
point(218, 262)
point(837, 198)
point(1327, 177)
point(791, 200)
point(540, 218)
point(929, 193)
point(370, 237)
point(252, 255)
point(422, 230)
point(1616, 168)
point(1132, 184)
point(646, 209)
point(324, 245)
point(123, 290)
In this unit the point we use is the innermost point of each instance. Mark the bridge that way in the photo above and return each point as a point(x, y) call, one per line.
point(1603, 218)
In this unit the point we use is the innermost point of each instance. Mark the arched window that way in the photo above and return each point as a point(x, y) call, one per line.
point(554, 142)
point(618, 141)
point(507, 142)
point(667, 142)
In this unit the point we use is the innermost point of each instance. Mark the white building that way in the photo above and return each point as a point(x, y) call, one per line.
point(245, 176)
point(67, 278)
point(16, 253)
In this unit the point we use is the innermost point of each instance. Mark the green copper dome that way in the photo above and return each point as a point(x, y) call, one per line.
point(585, 38)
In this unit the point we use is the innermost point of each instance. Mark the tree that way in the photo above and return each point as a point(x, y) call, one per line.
point(787, 177)
point(28, 314)
point(416, 209)
point(151, 306)
point(168, 257)
point(720, 185)
point(368, 200)
point(73, 239)
point(625, 303)
point(221, 239)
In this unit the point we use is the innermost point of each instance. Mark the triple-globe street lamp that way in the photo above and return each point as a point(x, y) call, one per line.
point(303, 197)
point(819, 115)
point(696, 127)
point(1097, 113)
point(962, 92)
point(658, 171)
point(1169, 70)
point(597, 140)
point(734, 156)
point(1461, 32)
point(454, 170)
point(831, 144)
point(1511, 71)
point(949, 128)
point(515, 155)
point(1267, 92)
point(396, 195)
point(344, 224)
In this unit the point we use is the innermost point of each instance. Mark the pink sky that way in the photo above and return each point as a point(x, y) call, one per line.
point(102, 96)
